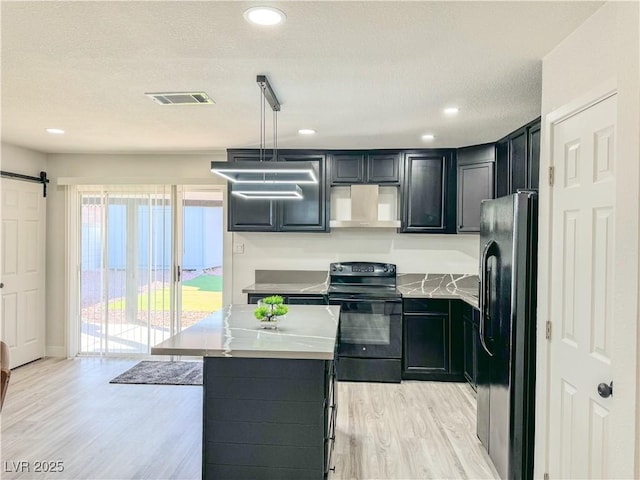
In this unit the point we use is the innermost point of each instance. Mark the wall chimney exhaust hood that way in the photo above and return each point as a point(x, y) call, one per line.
point(364, 209)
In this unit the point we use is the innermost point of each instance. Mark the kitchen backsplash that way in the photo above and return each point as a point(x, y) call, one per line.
point(305, 251)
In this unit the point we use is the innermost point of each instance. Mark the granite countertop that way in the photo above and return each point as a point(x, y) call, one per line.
point(464, 287)
point(307, 331)
point(288, 288)
point(312, 282)
point(411, 285)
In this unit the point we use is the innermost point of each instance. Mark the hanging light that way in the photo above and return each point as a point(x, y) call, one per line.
point(271, 172)
point(284, 191)
point(270, 176)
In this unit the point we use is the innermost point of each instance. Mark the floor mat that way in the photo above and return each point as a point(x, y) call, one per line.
point(162, 373)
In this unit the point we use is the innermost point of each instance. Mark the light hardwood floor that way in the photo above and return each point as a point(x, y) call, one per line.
point(415, 430)
point(65, 410)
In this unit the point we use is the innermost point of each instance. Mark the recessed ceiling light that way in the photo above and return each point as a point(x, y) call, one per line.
point(264, 15)
point(451, 110)
point(428, 137)
point(55, 131)
point(306, 131)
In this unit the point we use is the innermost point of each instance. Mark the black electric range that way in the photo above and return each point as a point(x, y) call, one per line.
point(370, 333)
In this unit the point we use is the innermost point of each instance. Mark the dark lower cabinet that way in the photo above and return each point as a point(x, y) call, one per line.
point(267, 418)
point(293, 299)
point(432, 341)
point(472, 348)
point(471, 340)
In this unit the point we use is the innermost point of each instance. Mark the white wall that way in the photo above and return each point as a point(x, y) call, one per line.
point(412, 253)
point(22, 160)
point(606, 48)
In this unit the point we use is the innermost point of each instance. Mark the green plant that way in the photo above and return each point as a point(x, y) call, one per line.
point(273, 300)
point(270, 307)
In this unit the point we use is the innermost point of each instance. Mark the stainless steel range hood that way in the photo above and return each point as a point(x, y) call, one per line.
point(364, 210)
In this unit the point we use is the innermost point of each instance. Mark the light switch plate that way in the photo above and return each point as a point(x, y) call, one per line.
point(238, 248)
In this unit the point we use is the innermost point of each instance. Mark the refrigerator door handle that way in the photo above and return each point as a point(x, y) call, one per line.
point(483, 292)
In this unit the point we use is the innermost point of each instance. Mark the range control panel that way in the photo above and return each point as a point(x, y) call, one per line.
point(365, 269)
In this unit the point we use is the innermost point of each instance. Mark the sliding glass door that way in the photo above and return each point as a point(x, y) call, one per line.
point(150, 264)
point(200, 249)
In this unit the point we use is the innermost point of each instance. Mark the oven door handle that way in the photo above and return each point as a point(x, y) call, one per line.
point(365, 300)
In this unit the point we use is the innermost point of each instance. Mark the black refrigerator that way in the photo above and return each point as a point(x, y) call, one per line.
point(507, 333)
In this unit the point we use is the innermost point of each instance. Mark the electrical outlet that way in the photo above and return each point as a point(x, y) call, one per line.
point(238, 248)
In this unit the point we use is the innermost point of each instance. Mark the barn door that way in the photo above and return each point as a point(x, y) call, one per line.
point(22, 313)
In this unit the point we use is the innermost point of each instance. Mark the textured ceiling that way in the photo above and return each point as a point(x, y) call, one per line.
point(363, 74)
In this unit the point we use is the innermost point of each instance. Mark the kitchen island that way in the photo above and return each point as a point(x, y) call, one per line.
point(269, 403)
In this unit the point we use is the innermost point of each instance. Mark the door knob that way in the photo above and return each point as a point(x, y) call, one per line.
point(1, 285)
point(604, 390)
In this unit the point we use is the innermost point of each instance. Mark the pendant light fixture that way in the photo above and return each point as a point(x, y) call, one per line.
point(266, 179)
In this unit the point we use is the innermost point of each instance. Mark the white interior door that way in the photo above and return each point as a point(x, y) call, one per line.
point(23, 270)
point(582, 294)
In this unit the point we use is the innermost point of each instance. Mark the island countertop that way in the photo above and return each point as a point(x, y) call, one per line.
point(307, 331)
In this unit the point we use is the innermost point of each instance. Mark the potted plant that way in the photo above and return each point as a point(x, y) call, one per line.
point(269, 310)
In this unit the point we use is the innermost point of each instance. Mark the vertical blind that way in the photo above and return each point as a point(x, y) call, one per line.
point(126, 286)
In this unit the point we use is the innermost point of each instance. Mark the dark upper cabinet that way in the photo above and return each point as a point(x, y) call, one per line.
point(475, 183)
point(307, 215)
point(383, 168)
point(310, 213)
point(518, 160)
point(248, 156)
point(347, 168)
point(534, 156)
point(365, 167)
point(502, 169)
point(428, 193)
point(249, 215)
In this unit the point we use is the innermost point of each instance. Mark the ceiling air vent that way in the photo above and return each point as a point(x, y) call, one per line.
point(180, 98)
